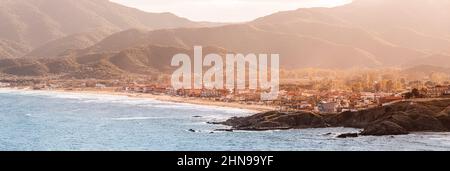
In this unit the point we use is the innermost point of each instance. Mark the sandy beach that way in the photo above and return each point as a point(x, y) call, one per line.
point(168, 98)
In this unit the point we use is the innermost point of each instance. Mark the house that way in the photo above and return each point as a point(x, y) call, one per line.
point(171, 91)
point(148, 88)
point(39, 87)
point(368, 96)
point(101, 86)
point(327, 107)
point(300, 105)
point(438, 91)
point(160, 90)
point(4, 84)
point(54, 86)
point(447, 92)
point(194, 93)
point(208, 93)
point(89, 84)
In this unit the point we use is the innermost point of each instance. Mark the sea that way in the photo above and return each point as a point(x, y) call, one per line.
point(63, 121)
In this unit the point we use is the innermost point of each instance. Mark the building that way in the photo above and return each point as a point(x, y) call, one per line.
point(99, 85)
point(4, 84)
point(39, 87)
point(327, 107)
point(194, 93)
point(214, 93)
point(447, 92)
point(159, 90)
point(438, 91)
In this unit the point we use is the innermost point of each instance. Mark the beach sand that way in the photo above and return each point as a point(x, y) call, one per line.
point(168, 98)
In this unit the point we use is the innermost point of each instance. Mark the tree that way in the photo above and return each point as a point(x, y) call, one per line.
point(357, 87)
point(377, 87)
point(408, 95)
point(390, 86)
point(416, 93)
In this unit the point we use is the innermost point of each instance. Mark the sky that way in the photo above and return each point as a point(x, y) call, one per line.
point(225, 10)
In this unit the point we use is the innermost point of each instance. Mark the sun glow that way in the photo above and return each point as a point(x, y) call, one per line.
point(226, 10)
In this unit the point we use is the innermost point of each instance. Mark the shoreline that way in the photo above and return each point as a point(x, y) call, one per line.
point(166, 98)
point(262, 118)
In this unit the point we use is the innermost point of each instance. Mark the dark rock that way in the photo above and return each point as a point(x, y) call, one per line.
point(402, 119)
point(224, 130)
point(445, 120)
point(426, 123)
point(196, 116)
point(445, 112)
point(348, 135)
point(384, 128)
point(191, 130)
point(277, 120)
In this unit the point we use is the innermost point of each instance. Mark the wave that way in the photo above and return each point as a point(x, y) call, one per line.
point(86, 97)
point(136, 118)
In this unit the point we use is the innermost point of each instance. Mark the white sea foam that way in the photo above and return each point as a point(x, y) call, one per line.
point(105, 98)
point(136, 118)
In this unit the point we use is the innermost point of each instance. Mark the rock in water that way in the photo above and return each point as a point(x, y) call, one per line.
point(384, 128)
point(327, 134)
point(224, 130)
point(348, 135)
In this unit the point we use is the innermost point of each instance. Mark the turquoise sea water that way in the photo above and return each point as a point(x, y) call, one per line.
point(49, 121)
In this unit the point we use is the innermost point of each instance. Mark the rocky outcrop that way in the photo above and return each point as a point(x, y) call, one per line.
point(384, 128)
point(277, 120)
point(396, 119)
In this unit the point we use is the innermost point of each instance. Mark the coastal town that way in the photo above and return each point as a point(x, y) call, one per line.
point(292, 97)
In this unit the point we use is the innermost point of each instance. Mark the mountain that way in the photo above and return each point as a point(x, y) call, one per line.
point(10, 49)
point(145, 61)
point(295, 51)
point(428, 17)
point(33, 23)
point(365, 33)
point(415, 24)
point(328, 27)
point(442, 60)
point(430, 72)
point(59, 46)
point(426, 69)
point(393, 31)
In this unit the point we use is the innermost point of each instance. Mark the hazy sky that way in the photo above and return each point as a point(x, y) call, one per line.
point(225, 10)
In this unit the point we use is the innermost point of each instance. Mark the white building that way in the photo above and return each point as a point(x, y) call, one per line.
point(4, 84)
point(98, 85)
point(327, 107)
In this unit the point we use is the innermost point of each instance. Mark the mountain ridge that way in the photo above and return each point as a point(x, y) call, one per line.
point(33, 23)
point(353, 35)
